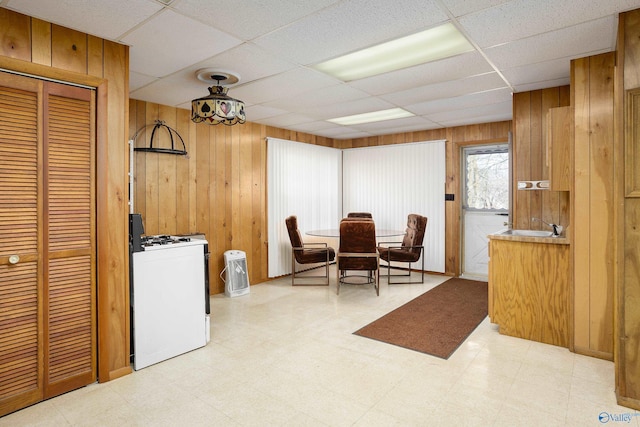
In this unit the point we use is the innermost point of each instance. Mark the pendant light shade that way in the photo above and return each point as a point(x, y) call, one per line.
point(217, 107)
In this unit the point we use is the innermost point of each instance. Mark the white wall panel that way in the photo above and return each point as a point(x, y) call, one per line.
point(302, 180)
point(393, 181)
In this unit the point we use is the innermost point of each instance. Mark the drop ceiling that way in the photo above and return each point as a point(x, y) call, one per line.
point(520, 45)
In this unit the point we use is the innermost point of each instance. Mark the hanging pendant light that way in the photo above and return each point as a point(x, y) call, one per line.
point(217, 107)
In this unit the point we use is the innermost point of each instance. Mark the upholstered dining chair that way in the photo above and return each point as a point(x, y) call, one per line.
point(307, 253)
point(357, 252)
point(407, 251)
point(359, 215)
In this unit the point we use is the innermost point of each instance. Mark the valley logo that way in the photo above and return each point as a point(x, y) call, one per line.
point(605, 417)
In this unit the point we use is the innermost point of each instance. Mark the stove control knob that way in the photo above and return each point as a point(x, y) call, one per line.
point(14, 259)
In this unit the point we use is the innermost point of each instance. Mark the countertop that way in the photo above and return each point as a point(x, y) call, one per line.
point(500, 235)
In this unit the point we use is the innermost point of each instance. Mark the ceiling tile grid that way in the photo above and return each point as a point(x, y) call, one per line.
point(272, 45)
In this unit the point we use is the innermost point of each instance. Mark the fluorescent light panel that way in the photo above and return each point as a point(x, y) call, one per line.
point(430, 45)
point(375, 116)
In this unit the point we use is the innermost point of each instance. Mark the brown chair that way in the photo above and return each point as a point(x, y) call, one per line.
point(407, 251)
point(358, 253)
point(359, 215)
point(307, 253)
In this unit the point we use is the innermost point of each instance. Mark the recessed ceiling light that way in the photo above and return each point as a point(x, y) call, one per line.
point(374, 116)
point(430, 45)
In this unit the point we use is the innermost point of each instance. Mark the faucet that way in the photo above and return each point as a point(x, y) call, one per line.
point(557, 229)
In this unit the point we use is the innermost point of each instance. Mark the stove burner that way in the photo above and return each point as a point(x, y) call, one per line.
point(162, 239)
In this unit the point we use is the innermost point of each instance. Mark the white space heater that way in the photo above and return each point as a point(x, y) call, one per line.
point(237, 278)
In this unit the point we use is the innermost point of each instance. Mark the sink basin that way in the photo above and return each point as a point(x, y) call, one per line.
point(528, 233)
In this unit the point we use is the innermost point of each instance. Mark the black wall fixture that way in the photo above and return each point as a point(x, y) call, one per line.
point(173, 150)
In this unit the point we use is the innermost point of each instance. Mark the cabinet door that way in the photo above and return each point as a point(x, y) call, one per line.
point(47, 261)
point(559, 136)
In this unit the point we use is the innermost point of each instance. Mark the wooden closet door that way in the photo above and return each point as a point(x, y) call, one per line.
point(21, 314)
point(47, 240)
point(69, 250)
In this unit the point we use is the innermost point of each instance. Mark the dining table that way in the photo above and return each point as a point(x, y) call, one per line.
point(335, 232)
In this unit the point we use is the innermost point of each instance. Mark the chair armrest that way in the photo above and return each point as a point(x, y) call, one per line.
point(401, 247)
point(380, 245)
point(318, 244)
point(310, 245)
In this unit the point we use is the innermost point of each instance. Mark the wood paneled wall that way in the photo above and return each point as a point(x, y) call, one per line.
point(529, 163)
point(593, 192)
point(35, 47)
point(627, 205)
point(219, 189)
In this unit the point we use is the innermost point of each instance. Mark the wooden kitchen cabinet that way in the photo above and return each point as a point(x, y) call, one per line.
point(529, 288)
point(559, 137)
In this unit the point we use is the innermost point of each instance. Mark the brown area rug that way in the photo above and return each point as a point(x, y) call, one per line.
point(436, 322)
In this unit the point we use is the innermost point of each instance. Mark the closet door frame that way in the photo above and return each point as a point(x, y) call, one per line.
point(109, 348)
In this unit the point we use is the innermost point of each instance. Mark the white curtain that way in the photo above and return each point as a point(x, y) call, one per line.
point(393, 181)
point(302, 180)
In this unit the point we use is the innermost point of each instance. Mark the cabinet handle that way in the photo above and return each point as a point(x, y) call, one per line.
point(14, 259)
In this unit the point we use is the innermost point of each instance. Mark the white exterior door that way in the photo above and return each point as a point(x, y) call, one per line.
point(485, 205)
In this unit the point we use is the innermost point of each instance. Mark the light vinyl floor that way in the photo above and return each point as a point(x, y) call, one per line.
point(287, 356)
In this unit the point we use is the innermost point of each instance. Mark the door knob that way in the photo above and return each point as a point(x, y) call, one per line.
point(14, 259)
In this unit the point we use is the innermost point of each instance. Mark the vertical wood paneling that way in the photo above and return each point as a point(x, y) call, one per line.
point(628, 327)
point(594, 245)
point(41, 42)
point(16, 35)
point(167, 171)
point(113, 250)
point(151, 192)
point(580, 197)
point(183, 179)
point(68, 49)
point(530, 122)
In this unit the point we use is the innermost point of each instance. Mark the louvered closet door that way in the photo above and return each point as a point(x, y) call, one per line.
point(47, 261)
point(69, 284)
point(21, 380)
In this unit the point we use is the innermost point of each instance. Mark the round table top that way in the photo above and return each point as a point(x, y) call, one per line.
point(335, 232)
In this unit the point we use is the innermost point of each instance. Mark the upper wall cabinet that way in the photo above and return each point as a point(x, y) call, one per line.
point(559, 136)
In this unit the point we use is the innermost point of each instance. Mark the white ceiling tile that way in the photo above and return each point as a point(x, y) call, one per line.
point(248, 19)
point(106, 19)
point(542, 85)
point(457, 67)
point(170, 42)
point(259, 112)
point(503, 109)
point(171, 92)
point(343, 132)
point(548, 70)
point(523, 18)
point(349, 26)
point(312, 127)
point(392, 126)
point(448, 89)
point(137, 80)
point(310, 101)
point(570, 42)
point(461, 102)
point(282, 85)
point(463, 7)
point(242, 60)
point(288, 119)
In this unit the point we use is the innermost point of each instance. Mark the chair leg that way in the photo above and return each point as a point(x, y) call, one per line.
point(408, 281)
